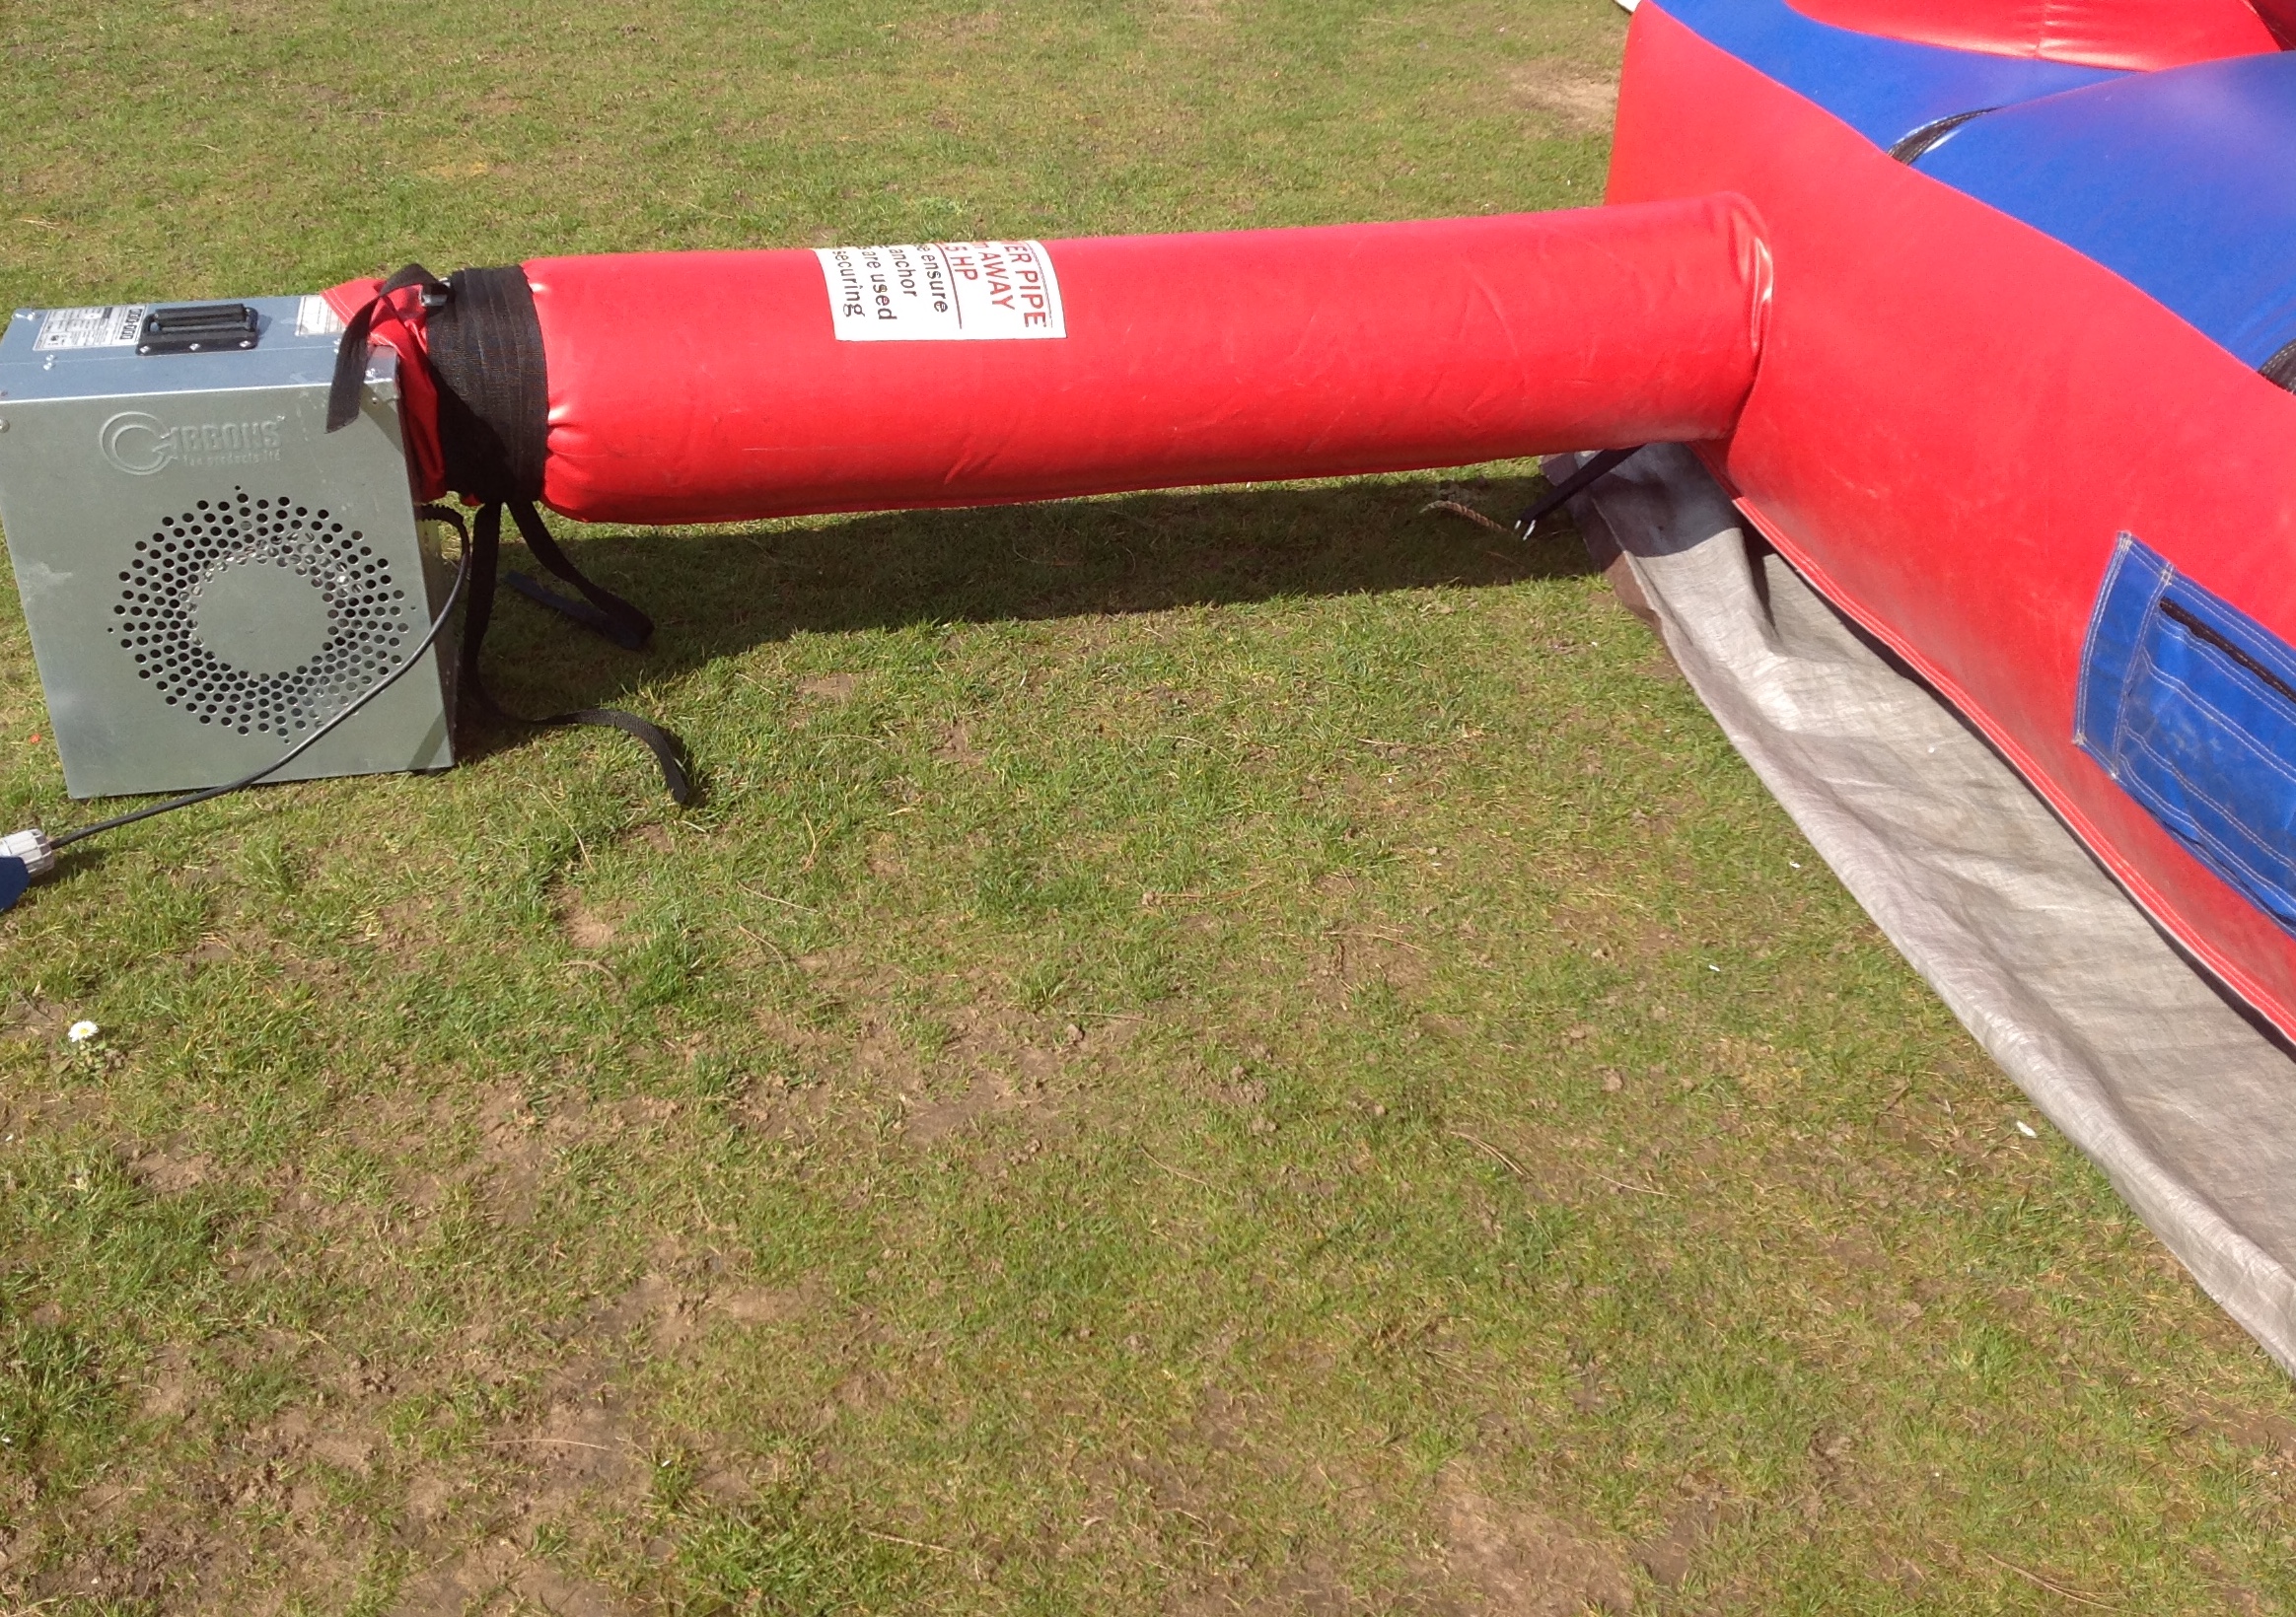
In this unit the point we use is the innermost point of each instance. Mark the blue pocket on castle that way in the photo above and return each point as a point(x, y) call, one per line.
point(2190, 705)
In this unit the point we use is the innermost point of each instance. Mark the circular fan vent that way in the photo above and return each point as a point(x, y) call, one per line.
point(262, 616)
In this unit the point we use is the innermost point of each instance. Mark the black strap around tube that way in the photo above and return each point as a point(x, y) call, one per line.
point(484, 339)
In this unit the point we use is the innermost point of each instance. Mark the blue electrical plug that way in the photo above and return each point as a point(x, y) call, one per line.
point(22, 856)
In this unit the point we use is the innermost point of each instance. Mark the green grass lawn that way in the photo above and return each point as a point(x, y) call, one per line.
point(1229, 1051)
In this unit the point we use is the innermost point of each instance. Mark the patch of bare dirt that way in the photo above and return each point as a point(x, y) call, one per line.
point(500, 1576)
point(584, 1454)
point(175, 1386)
point(177, 1546)
point(1147, 1503)
point(1310, 1587)
point(406, 931)
point(1668, 1557)
point(829, 688)
point(763, 1304)
point(1361, 957)
point(1523, 1563)
point(584, 1445)
point(884, 861)
point(948, 1067)
point(656, 1303)
point(213, 949)
point(274, 1471)
point(351, 1450)
point(583, 1450)
point(672, 1313)
point(586, 928)
point(37, 1018)
point(167, 1173)
point(984, 1093)
point(1239, 1091)
point(170, 1565)
point(517, 1142)
point(1221, 1421)
point(785, 1105)
point(517, 1147)
point(956, 746)
point(938, 1119)
point(2242, 1428)
point(847, 973)
point(1857, 1254)
point(994, 1062)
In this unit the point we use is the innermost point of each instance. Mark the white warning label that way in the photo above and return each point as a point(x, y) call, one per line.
point(314, 316)
point(113, 326)
point(943, 292)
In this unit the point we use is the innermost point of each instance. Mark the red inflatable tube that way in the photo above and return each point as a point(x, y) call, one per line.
point(714, 386)
point(710, 387)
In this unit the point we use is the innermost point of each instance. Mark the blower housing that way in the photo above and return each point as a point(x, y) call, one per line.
point(208, 574)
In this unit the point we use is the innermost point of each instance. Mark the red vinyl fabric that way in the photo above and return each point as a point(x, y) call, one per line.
point(710, 387)
point(2138, 34)
point(1941, 442)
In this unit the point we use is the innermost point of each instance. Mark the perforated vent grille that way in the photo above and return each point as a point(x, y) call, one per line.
point(157, 619)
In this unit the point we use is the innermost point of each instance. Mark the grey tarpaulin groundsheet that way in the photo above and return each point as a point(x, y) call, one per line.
point(2186, 1103)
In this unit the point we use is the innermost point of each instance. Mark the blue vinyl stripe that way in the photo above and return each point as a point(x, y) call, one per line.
point(2180, 181)
point(1885, 89)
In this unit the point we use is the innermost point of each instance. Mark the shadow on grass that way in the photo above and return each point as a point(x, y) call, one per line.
point(716, 593)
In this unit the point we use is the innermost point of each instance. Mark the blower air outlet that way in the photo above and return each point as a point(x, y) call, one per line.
point(260, 616)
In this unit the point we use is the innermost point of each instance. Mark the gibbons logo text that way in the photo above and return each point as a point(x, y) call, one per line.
point(140, 445)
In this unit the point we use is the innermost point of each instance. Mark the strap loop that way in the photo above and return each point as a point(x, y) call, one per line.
point(624, 624)
point(350, 367)
point(487, 556)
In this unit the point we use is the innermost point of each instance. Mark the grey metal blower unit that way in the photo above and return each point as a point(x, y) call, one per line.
point(208, 574)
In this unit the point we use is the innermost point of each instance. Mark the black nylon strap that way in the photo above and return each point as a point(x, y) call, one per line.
point(478, 613)
point(624, 624)
point(349, 381)
point(485, 561)
point(575, 609)
point(1597, 468)
point(486, 344)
